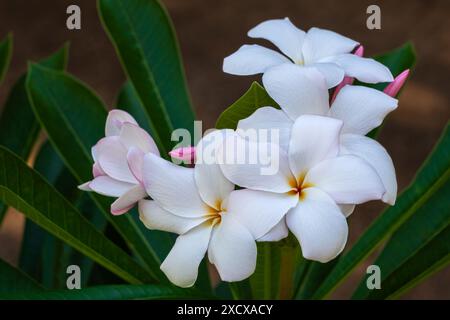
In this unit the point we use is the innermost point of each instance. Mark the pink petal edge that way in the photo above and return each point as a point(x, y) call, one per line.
point(186, 154)
point(394, 87)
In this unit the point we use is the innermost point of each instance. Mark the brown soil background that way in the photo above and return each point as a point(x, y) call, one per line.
point(210, 30)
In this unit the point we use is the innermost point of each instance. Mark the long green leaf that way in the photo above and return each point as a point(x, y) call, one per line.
point(26, 190)
point(145, 41)
point(6, 46)
point(420, 229)
point(19, 127)
point(255, 98)
point(265, 280)
point(433, 175)
point(74, 118)
point(13, 280)
point(112, 292)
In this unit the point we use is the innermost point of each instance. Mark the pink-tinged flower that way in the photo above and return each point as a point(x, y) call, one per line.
point(394, 87)
point(303, 91)
point(312, 179)
point(185, 154)
point(118, 158)
point(200, 205)
point(323, 50)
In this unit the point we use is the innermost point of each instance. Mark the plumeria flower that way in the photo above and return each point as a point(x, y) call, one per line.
point(314, 177)
point(200, 205)
point(324, 50)
point(118, 158)
point(301, 91)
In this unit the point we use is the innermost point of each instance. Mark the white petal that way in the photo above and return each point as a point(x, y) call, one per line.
point(361, 108)
point(127, 201)
point(259, 211)
point(321, 43)
point(85, 186)
point(280, 231)
point(347, 179)
point(132, 135)
point(172, 187)
point(333, 73)
point(319, 226)
point(115, 120)
point(282, 33)
point(377, 156)
point(270, 119)
point(156, 218)
point(112, 157)
point(211, 183)
point(110, 187)
point(364, 69)
point(346, 209)
point(135, 160)
point(181, 265)
point(258, 166)
point(297, 90)
point(232, 250)
point(252, 59)
point(313, 139)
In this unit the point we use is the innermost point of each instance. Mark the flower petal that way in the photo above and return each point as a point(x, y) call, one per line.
point(185, 154)
point(280, 231)
point(110, 187)
point(259, 211)
point(321, 43)
point(297, 90)
point(212, 185)
point(333, 73)
point(253, 165)
point(347, 179)
point(132, 135)
point(97, 170)
point(346, 209)
point(361, 108)
point(313, 139)
point(112, 157)
point(268, 118)
point(252, 59)
point(364, 69)
point(115, 120)
point(232, 250)
point(181, 264)
point(135, 160)
point(156, 218)
point(282, 33)
point(377, 156)
point(172, 187)
point(319, 226)
point(85, 186)
point(127, 201)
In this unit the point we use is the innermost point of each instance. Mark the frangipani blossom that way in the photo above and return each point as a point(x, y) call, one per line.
point(314, 177)
point(200, 205)
point(118, 157)
point(303, 91)
point(323, 50)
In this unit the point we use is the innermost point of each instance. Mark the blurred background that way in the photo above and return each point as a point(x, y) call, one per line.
point(210, 30)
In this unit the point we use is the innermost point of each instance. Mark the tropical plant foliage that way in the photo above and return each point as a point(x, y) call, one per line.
point(120, 258)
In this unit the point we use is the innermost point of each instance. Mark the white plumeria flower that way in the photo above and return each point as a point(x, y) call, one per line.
point(118, 158)
point(301, 91)
point(314, 177)
point(200, 205)
point(324, 50)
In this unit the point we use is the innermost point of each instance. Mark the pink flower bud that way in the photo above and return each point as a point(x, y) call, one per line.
point(186, 154)
point(394, 87)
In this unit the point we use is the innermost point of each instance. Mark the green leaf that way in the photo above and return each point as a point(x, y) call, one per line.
point(417, 232)
point(265, 280)
point(433, 175)
point(256, 97)
point(112, 292)
point(26, 190)
point(6, 46)
point(431, 258)
point(19, 127)
point(74, 118)
point(13, 280)
point(145, 41)
point(313, 277)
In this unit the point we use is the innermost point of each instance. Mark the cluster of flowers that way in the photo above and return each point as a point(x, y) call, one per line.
point(326, 163)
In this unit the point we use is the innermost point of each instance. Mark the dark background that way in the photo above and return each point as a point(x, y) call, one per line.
point(210, 30)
